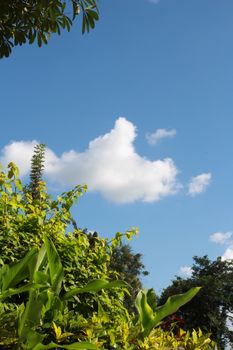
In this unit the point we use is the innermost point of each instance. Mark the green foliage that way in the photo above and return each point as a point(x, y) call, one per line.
point(161, 340)
point(45, 274)
point(150, 315)
point(129, 266)
point(56, 282)
point(24, 21)
point(24, 221)
point(37, 166)
point(209, 310)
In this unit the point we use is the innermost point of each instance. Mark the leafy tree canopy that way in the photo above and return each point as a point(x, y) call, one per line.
point(24, 21)
point(130, 268)
point(213, 305)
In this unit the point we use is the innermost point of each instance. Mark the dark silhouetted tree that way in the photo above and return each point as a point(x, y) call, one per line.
point(130, 269)
point(211, 308)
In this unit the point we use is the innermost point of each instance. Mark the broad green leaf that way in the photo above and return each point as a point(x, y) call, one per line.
point(13, 291)
point(30, 316)
point(151, 318)
point(51, 302)
point(33, 338)
point(146, 315)
point(41, 257)
point(173, 303)
point(36, 263)
point(116, 284)
point(151, 299)
point(11, 275)
point(41, 277)
point(94, 287)
point(55, 266)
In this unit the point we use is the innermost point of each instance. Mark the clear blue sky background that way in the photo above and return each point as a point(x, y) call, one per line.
point(166, 65)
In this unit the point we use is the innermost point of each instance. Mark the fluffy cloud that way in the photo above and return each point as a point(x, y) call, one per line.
point(186, 271)
point(228, 254)
point(199, 183)
point(20, 153)
point(159, 134)
point(110, 165)
point(221, 237)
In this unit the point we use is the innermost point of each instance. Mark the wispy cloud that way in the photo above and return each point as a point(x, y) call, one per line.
point(224, 238)
point(159, 134)
point(199, 183)
point(221, 237)
point(110, 165)
point(185, 271)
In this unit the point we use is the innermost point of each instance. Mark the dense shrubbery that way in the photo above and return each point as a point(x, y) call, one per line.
point(57, 288)
point(24, 222)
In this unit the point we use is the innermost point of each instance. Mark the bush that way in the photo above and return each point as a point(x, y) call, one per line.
point(24, 222)
point(56, 288)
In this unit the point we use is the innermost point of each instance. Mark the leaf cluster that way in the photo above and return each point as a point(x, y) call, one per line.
point(151, 315)
point(167, 340)
point(40, 275)
point(26, 21)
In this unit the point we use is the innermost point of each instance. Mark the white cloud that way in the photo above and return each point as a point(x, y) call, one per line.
point(228, 254)
point(221, 237)
point(159, 134)
point(110, 165)
point(199, 183)
point(186, 271)
point(19, 152)
point(224, 238)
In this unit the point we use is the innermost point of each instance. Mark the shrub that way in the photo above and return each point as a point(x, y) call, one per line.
point(23, 223)
point(55, 281)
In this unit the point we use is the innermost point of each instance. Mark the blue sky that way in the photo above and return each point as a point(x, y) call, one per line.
point(147, 66)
